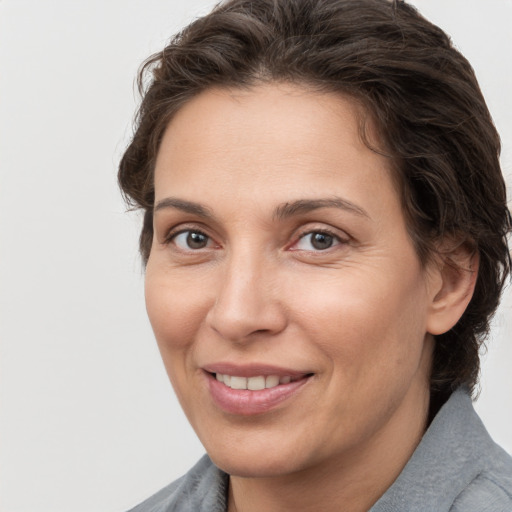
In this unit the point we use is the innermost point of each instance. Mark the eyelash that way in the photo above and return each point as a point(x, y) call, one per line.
point(337, 240)
point(171, 238)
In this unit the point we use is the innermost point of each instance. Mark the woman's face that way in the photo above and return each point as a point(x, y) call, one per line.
point(281, 259)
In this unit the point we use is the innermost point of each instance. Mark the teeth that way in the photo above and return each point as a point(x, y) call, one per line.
point(256, 383)
point(238, 382)
point(271, 381)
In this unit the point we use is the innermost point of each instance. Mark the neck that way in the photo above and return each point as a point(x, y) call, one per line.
point(353, 482)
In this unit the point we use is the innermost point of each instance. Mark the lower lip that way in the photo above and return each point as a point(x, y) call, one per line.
point(247, 403)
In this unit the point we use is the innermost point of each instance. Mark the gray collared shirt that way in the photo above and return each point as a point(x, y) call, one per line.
point(456, 468)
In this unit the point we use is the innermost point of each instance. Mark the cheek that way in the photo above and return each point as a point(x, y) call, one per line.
point(367, 322)
point(175, 309)
point(372, 335)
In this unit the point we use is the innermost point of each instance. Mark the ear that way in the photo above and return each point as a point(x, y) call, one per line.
point(452, 283)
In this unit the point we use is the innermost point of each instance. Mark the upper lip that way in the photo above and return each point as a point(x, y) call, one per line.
point(251, 370)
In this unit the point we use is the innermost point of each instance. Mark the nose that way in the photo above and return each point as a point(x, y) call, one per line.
point(248, 301)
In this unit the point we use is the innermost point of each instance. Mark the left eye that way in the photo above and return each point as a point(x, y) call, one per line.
point(317, 241)
point(190, 239)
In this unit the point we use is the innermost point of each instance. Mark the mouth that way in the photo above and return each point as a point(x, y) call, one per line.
point(256, 392)
point(256, 383)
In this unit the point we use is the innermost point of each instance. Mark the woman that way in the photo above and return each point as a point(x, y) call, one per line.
point(325, 243)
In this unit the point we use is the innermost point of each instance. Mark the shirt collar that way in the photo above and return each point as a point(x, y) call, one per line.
point(447, 459)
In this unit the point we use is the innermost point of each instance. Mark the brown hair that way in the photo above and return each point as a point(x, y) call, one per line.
point(421, 93)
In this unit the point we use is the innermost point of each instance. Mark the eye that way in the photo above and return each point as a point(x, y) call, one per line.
point(191, 239)
point(317, 241)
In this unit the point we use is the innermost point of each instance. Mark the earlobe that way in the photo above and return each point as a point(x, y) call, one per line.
point(454, 283)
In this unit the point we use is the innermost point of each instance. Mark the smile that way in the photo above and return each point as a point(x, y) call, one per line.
point(253, 394)
point(253, 383)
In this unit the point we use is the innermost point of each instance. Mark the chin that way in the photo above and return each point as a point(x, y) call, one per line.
point(253, 467)
point(255, 461)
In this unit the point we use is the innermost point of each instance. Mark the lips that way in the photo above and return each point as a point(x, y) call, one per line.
point(252, 390)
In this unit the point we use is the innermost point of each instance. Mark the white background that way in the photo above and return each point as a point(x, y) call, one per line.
point(88, 420)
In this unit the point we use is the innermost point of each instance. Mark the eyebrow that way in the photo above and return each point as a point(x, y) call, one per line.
point(283, 211)
point(302, 206)
point(185, 206)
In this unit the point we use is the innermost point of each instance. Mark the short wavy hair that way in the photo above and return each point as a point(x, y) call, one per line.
point(418, 90)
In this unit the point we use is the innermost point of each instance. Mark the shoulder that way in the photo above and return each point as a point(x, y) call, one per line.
point(491, 489)
point(456, 467)
point(202, 489)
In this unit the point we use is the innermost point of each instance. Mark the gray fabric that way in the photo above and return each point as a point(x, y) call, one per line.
point(456, 468)
point(202, 489)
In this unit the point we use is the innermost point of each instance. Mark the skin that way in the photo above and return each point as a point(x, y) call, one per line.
point(358, 315)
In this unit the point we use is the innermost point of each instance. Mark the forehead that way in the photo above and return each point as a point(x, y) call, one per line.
point(275, 112)
point(270, 138)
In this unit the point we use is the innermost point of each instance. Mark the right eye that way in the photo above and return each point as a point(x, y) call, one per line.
point(191, 240)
